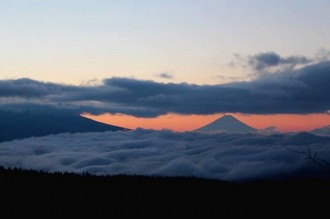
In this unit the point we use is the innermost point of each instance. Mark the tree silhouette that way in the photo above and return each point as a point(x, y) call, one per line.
point(313, 157)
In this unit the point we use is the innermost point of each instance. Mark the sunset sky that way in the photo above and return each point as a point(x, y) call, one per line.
point(279, 122)
point(169, 64)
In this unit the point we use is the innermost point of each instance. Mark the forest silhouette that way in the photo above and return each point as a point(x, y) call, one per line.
point(29, 192)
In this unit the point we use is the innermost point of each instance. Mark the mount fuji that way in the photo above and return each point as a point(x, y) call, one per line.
point(226, 123)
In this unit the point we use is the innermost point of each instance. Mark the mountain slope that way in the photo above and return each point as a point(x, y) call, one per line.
point(322, 131)
point(226, 123)
point(305, 138)
point(25, 124)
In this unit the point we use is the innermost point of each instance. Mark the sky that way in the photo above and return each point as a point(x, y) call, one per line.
point(233, 157)
point(265, 60)
point(270, 123)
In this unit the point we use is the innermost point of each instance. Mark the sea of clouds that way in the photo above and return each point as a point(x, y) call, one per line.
point(233, 157)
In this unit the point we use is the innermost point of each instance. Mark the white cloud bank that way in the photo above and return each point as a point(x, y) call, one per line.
point(223, 156)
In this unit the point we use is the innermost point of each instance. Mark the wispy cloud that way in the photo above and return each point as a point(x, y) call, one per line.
point(165, 75)
point(222, 156)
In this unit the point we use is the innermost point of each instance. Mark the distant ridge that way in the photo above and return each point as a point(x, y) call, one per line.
point(24, 125)
point(227, 123)
point(324, 131)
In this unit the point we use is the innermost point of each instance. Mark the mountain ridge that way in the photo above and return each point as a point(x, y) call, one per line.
point(21, 125)
point(323, 131)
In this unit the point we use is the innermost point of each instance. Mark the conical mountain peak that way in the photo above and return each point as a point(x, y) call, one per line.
point(226, 123)
point(227, 116)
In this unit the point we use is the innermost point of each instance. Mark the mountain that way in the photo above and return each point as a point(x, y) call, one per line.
point(322, 131)
point(226, 123)
point(304, 138)
point(25, 124)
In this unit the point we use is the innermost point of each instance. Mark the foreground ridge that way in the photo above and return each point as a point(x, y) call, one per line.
point(27, 191)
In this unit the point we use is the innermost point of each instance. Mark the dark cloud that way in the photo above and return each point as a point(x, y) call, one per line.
point(25, 88)
point(224, 156)
point(165, 75)
point(303, 90)
point(264, 61)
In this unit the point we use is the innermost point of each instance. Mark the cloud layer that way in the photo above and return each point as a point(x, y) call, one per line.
point(289, 90)
point(223, 156)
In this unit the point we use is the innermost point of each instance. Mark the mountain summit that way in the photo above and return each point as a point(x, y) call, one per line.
point(226, 123)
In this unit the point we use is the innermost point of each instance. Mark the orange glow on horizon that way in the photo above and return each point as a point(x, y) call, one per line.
point(286, 122)
point(170, 121)
point(175, 122)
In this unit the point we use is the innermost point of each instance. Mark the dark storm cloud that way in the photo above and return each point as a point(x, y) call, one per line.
point(303, 90)
point(224, 156)
point(25, 88)
point(165, 75)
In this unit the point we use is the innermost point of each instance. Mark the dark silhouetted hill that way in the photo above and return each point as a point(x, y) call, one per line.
point(30, 193)
point(25, 124)
point(304, 138)
point(324, 131)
